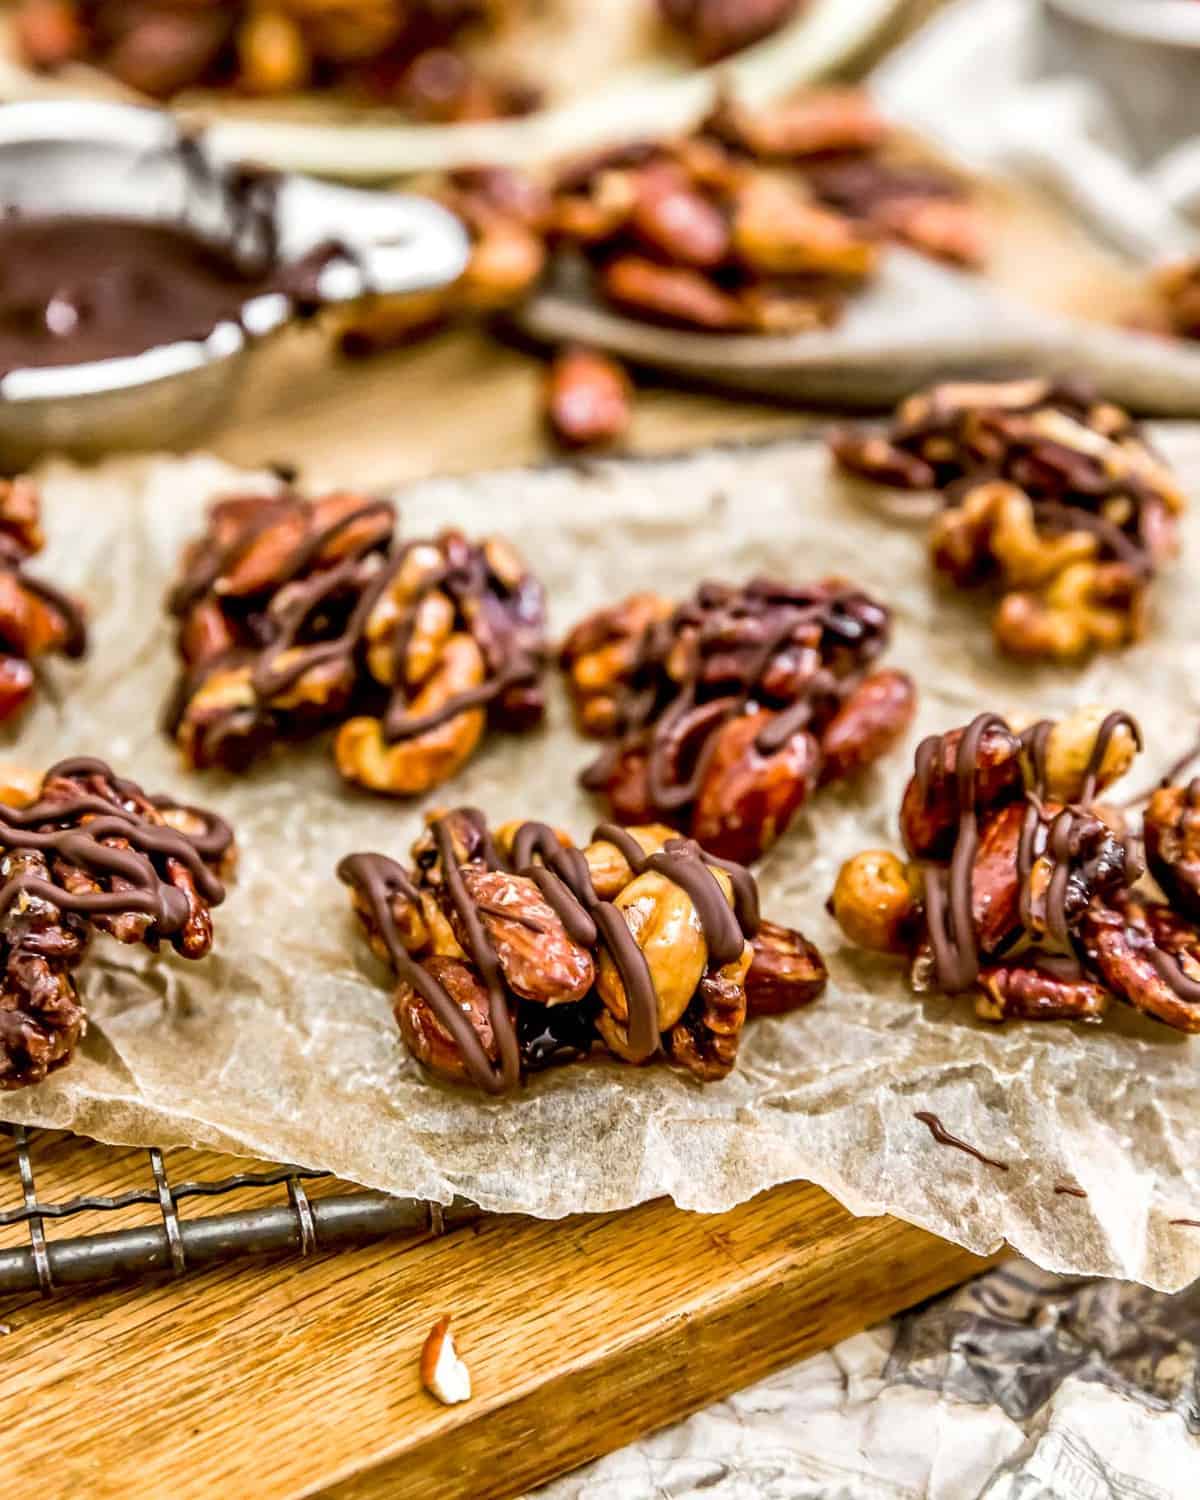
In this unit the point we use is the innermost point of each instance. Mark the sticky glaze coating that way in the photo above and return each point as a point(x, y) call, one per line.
point(792, 660)
point(1026, 888)
point(93, 852)
point(278, 607)
point(459, 845)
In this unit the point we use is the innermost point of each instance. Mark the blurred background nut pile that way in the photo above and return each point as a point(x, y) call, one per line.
point(726, 712)
point(35, 619)
point(296, 616)
point(516, 951)
point(405, 53)
point(713, 29)
point(1024, 890)
point(757, 222)
point(1051, 496)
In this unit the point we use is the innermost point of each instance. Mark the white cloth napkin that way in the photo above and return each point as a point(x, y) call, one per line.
point(972, 80)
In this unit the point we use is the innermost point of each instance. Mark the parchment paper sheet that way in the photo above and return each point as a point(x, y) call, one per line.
point(282, 1044)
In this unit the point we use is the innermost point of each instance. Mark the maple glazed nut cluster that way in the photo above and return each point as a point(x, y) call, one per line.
point(83, 850)
point(1051, 496)
point(1023, 887)
point(296, 616)
point(724, 713)
point(515, 950)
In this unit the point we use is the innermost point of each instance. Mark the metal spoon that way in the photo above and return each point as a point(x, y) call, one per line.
point(119, 161)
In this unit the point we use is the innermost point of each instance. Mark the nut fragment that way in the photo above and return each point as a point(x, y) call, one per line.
point(443, 1373)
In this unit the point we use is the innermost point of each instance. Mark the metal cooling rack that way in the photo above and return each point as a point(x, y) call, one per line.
point(176, 1245)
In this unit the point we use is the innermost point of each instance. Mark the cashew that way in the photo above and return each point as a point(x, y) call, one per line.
point(1069, 749)
point(873, 901)
point(610, 870)
point(412, 766)
point(666, 927)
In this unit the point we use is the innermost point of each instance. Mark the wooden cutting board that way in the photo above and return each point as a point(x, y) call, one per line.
point(298, 1378)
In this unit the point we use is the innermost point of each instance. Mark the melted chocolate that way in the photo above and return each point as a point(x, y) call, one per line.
point(75, 289)
point(1069, 1190)
point(1191, 1223)
point(943, 1137)
point(77, 828)
point(732, 638)
point(464, 578)
point(563, 877)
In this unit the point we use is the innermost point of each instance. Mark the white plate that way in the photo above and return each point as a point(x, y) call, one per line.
point(650, 97)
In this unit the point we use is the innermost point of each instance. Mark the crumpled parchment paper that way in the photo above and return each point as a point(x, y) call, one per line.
point(282, 1045)
point(1018, 1386)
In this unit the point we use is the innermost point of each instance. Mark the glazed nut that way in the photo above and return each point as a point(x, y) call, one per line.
point(610, 871)
point(588, 399)
point(505, 262)
point(272, 56)
point(873, 901)
point(672, 294)
point(747, 798)
point(19, 785)
point(1069, 749)
point(443, 1373)
point(539, 961)
point(778, 230)
point(423, 1033)
point(667, 928)
point(49, 32)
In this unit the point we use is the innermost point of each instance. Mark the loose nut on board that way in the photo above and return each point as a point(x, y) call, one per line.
point(443, 1373)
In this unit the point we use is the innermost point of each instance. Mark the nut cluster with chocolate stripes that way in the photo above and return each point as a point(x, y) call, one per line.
point(1026, 889)
point(515, 950)
point(726, 711)
point(36, 620)
point(90, 852)
point(1050, 494)
point(296, 615)
point(408, 55)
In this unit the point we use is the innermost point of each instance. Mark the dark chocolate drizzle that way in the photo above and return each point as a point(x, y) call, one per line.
point(1069, 1190)
point(669, 706)
point(562, 876)
point(464, 577)
point(76, 828)
point(1057, 838)
point(943, 1137)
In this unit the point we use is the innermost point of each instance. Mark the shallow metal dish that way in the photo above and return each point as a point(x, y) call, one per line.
point(91, 159)
point(1144, 53)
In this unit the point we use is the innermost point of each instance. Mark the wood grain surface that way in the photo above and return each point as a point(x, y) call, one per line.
point(287, 1379)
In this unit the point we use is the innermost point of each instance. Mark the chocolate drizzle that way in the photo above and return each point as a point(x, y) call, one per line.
point(564, 879)
point(943, 1137)
point(1067, 843)
point(1069, 1190)
point(719, 655)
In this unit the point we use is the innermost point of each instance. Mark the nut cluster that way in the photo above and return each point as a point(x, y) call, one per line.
point(35, 619)
point(1024, 889)
point(83, 851)
point(1051, 496)
point(406, 53)
point(726, 711)
point(516, 951)
point(297, 615)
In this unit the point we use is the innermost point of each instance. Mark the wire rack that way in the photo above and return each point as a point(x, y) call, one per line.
point(174, 1245)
